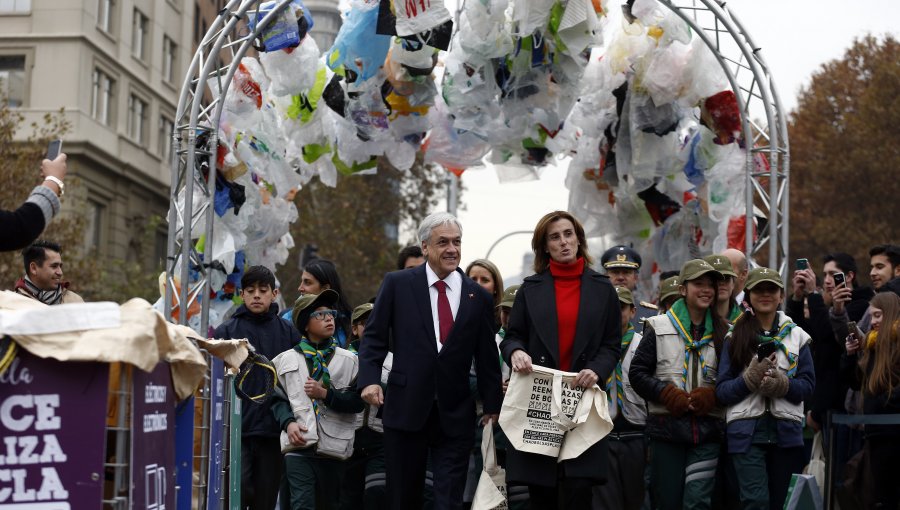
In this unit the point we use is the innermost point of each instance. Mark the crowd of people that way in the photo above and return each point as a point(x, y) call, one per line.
point(713, 390)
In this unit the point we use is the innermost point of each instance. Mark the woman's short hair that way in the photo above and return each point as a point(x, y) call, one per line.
point(434, 220)
point(539, 240)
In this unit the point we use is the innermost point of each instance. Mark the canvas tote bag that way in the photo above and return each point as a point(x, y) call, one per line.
point(544, 412)
point(490, 494)
point(816, 466)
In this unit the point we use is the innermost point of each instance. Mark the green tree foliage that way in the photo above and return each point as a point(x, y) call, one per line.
point(19, 174)
point(845, 155)
point(355, 224)
point(90, 277)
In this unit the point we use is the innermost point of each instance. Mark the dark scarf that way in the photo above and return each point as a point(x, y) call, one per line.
point(48, 297)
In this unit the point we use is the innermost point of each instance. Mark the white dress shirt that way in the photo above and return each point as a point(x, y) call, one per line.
point(454, 291)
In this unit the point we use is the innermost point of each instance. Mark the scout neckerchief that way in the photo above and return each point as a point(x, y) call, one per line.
point(620, 385)
point(679, 316)
point(734, 314)
point(354, 347)
point(317, 361)
point(783, 331)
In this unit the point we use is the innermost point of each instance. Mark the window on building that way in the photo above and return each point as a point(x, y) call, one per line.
point(12, 79)
point(15, 6)
point(170, 50)
point(164, 142)
point(94, 226)
point(106, 15)
point(102, 97)
point(137, 119)
point(139, 30)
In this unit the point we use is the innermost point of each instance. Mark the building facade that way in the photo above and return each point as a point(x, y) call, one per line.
point(116, 68)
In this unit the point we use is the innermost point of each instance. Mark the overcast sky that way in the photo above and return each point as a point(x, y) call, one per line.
point(796, 37)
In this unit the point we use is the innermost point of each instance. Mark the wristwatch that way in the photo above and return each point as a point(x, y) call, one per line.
point(58, 182)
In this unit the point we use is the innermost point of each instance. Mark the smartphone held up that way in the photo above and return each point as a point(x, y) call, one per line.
point(54, 148)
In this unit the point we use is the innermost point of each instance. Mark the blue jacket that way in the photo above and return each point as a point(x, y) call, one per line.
point(731, 390)
point(270, 335)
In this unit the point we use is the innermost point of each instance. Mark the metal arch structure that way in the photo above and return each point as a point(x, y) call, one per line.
point(763, 122)
point(194, 140)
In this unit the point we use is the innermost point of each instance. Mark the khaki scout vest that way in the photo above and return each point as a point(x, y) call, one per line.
point(333, 433)
point(755, 404)
point(634, 408)
point(670, 363)
point(369, 417)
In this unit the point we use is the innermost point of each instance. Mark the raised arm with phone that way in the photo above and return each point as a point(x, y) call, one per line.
point(21, 227)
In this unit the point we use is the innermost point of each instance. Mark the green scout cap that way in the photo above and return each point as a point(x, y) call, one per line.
point(763, 274)
point(509, 296)
point(721, 264)
point(668, 288)
point(625, 295)
point(359, 311)
point(693, 269)
point(309, 302)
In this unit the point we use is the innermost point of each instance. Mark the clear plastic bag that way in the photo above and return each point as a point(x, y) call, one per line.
point(292, 70)
point(416, 16)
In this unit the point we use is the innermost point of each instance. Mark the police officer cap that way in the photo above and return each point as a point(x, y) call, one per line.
point(509, 296)
point(621, 256)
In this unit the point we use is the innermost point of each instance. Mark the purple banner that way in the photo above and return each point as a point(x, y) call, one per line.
point(52, 434)
point(153, 440)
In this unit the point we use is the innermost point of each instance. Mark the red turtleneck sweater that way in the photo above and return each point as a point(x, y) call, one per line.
point(567, 284)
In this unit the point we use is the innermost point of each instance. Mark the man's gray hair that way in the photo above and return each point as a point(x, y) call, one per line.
point(433, 221)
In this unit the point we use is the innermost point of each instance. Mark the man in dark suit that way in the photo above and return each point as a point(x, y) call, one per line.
point(439, 320)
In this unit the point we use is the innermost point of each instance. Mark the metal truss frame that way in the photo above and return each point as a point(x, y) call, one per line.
point(194, 140)
point(764, 123)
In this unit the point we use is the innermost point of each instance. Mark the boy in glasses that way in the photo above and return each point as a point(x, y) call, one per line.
point(316, 405)
point(257, 320)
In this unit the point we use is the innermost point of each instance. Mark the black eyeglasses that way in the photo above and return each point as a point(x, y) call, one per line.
point(323, 315)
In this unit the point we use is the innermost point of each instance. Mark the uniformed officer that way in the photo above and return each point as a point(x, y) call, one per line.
point(622, 265)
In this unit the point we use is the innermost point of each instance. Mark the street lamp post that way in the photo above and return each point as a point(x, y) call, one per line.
point(504, 236)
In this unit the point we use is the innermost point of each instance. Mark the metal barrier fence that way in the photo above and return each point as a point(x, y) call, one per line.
point(835, 419)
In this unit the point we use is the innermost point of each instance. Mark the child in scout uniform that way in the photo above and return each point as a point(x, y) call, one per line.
point(765, 374)
point(318, 415)
point(624, 487)
point(364, 479)
point(726, 307)
point(674, 370)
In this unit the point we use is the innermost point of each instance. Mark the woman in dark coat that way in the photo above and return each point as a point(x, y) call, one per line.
point(565, 317)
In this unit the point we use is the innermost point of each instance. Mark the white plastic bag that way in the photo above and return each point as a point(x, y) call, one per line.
point(419, 16)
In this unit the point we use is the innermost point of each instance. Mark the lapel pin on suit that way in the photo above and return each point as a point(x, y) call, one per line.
point(471, 296)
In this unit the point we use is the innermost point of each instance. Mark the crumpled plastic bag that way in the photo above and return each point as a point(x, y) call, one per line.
point(281, 32)
point(589, 203)
point(727, 184)
point(484, 31)
point(292, 70)
point(357, 47)
point(416, 16)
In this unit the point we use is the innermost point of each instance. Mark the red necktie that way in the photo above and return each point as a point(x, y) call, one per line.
point(445, 315)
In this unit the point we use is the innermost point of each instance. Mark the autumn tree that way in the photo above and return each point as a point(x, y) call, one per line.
point(845, 155)
point(356, 224)
point(92, 278)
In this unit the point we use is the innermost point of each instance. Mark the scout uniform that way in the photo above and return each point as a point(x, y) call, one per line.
point(627, 447)
point(314, 470)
